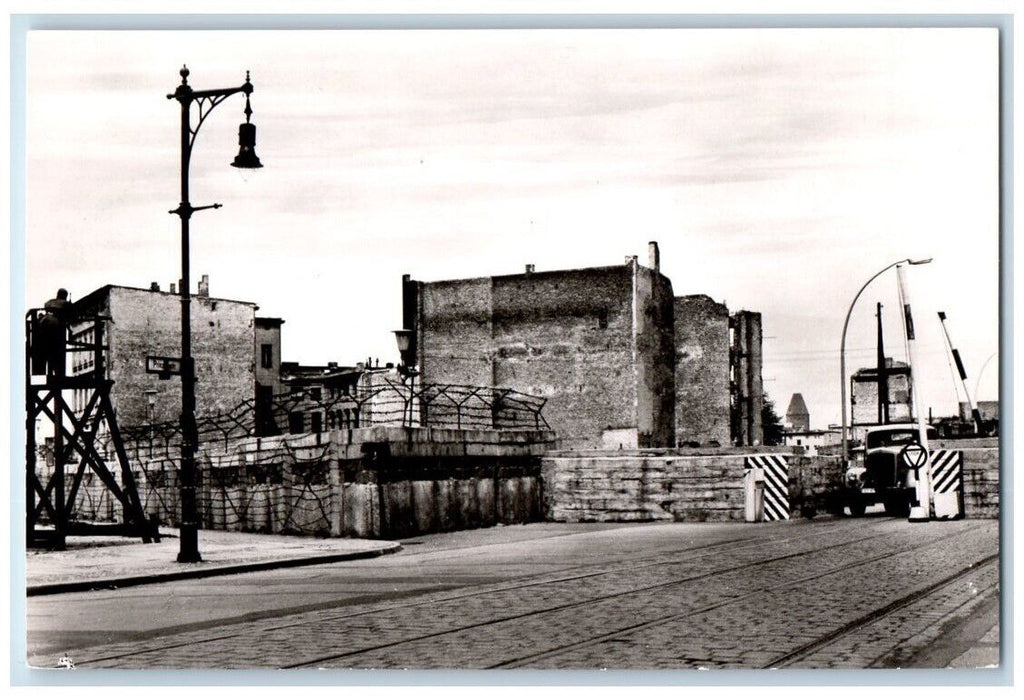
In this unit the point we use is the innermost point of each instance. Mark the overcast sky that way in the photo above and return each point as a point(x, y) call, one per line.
point(778, 170)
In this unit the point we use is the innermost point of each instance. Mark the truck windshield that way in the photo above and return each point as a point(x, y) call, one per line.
point(888, 438)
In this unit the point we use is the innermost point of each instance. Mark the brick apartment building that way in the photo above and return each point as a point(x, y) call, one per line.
point(143, 322)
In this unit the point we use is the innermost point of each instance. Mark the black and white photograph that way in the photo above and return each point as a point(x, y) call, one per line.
point(398, 346)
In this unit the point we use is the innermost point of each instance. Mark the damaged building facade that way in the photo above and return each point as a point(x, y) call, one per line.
point(620, 360)
point(147, 322)
point(238, 361)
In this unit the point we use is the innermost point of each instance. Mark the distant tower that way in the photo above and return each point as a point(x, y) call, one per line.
point(797, 415)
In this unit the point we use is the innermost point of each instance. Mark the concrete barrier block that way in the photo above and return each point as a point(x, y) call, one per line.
point(487, 505)
point(464, 494)
point(424, 504)
point(360, 512)
point(443, 504)
point(398, 517)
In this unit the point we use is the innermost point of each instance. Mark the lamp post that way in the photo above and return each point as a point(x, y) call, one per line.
point(842, 344)
point(246, 158)
point(407, 368)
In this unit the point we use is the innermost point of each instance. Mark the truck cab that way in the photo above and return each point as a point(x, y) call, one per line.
point(881, 476)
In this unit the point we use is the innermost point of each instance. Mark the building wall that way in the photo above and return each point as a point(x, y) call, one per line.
point(655, 352)
point(864, 398)
point(149, 323)
point(748, 390)
point(701, 371)
point(596, 343)
point(621, 363)
point(268, 332)
point(454, 338)
point(605, 486)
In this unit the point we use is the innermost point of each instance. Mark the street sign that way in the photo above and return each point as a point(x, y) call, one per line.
point(914, 455)
point(163, 366)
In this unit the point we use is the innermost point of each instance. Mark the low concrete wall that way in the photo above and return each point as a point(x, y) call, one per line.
point(671, 484)
point(380, 481)
point(703, 484)
point(981, 474)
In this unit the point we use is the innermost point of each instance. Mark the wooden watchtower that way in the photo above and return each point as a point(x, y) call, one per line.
point(50, 495)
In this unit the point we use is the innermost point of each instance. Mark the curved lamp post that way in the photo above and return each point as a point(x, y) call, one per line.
point(977, 384)
point(246, 158)
point(842, 344)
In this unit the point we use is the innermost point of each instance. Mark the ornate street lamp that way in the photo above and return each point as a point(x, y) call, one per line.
point(842, 345)
point(246, 158)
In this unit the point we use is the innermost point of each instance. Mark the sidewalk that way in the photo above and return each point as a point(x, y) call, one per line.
point(116, 562)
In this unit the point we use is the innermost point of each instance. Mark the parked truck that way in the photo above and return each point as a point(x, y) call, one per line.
point(882, 476)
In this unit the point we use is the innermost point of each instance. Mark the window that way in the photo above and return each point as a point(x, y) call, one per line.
point(602, 318)
point(267, 355)
point(317, 422)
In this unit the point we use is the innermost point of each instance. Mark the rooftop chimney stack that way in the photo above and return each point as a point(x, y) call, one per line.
point(204, 286)
point(154, 286)
point(174, 290)
point(654, 256)
point(530, 268)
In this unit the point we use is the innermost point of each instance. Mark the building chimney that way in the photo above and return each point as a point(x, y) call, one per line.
point(204, 286)
point(530, 268)
point(154, 286)
point(653, 256)
point(630, 259)
point(174, 290)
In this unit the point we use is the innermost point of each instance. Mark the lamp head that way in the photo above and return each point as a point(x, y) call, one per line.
point(919, 262)
point(246, 157)
point(403, 338)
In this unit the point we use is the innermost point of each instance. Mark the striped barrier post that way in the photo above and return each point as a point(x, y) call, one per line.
point(947, 468)
point(776, 484)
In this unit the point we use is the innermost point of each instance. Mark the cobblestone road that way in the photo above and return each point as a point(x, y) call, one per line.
point(805, 594)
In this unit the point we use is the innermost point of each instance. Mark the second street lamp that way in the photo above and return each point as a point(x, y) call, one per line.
point(407, 368)
point(206, 100)
point(842, 347)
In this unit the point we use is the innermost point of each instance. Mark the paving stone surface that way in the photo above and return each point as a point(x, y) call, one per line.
point(818, 594)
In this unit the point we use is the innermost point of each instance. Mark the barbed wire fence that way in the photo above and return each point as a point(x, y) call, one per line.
point(273, 467)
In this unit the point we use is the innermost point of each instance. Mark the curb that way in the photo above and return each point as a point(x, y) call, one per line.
point(143, 579)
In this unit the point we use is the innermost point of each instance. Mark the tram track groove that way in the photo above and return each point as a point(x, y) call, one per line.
point(701, 551)
point(876, 615)
point(517, 584)
point(715, 606)
point(630, 628)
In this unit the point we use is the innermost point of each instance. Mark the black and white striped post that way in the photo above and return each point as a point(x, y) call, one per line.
point(920, 511)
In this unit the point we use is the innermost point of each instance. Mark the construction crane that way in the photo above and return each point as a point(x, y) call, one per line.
point(975, 413)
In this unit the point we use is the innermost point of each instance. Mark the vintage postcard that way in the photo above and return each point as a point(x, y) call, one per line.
point(477, 347)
